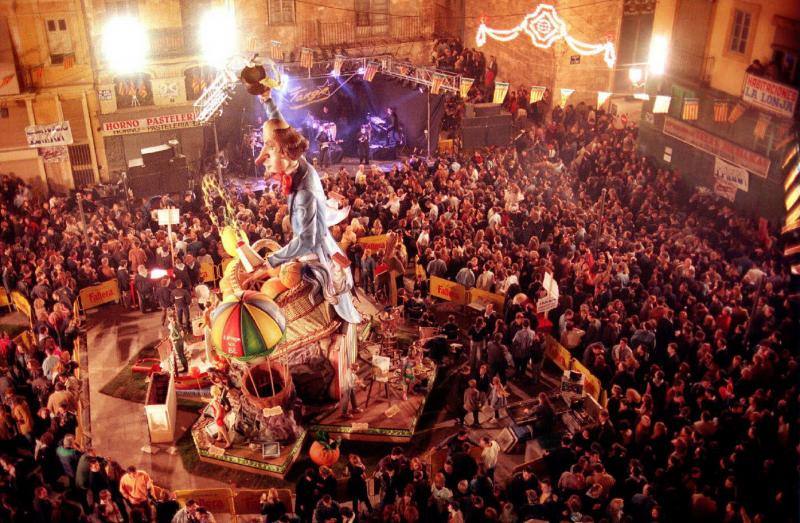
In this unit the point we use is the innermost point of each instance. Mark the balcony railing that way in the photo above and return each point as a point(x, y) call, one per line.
point(346, 33)
point(171, 42)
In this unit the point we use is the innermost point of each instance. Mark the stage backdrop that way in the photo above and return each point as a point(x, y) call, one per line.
point(347, 100)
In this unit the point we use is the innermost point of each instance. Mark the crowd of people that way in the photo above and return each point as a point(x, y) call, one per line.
point(680, 306)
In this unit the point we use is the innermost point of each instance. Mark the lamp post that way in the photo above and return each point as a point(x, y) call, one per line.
point(79, 199)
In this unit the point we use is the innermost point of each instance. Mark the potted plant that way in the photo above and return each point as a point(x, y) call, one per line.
point(324, 450)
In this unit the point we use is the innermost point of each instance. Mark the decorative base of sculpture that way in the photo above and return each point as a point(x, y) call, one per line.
point(247, 458)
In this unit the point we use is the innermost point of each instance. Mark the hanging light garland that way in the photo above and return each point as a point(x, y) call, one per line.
point(545, 27)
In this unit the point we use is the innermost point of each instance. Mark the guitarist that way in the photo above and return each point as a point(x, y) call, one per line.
point(324, 141)
point(362, 144)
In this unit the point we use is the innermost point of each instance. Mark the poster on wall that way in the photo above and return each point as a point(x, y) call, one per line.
point(169, 91)
point(47, 135)
point(725, 190)
point(769, 95)
point(731, 174)
point(55, 154)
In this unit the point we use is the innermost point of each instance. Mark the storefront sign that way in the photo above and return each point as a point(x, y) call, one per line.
point(164, 122)
point(97, 295)
point(717, 146)
point(769, 95)
point(447, 290)
point(373, 243)
point(731, 174)
point(50, 134)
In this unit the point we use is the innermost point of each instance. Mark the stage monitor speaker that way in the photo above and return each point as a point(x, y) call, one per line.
point(173, 178)
point(380, 152)
point(158, 155)
point(483, 109)
point(482, 131)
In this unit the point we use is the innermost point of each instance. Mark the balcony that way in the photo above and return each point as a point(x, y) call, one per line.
point(171, 42)
point(690, 66)
point(346, 33)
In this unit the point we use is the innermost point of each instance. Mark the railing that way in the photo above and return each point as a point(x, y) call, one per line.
point(170, 42)
point(346, 33)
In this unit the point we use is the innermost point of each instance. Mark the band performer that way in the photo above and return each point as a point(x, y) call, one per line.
point(362, 144)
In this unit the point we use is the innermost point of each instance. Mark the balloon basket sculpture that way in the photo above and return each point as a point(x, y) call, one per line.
point(288, 334)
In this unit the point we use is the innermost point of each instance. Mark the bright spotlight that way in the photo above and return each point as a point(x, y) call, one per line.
point(218, 36)
point(635, 75)
point(657, 58)
point(125, 44)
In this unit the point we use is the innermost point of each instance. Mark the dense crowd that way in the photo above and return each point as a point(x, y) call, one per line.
point(680, 306)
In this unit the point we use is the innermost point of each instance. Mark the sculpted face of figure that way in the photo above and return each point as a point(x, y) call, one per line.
point(274, 156)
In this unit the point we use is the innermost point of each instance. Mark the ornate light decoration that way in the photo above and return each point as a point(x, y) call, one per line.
point(545, 27)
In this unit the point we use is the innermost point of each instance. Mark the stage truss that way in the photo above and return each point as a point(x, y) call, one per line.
point(211, 103)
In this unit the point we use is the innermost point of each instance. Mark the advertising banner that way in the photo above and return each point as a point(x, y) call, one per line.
point(731, 174)
point(97, 295)
point(479, 295)
point(22, 304)
point(557, 353)
point(447, 290)
point(47, 135)
point(714, 145)
point(374, 243)
point(769, 95)
point(207, 272)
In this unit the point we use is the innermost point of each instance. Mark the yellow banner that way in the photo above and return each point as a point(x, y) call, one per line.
point(97, 295)
point(4, 299)
point(207, 272)
point(216, 500)
point(374, 243)
point(22, 304)
point(486, 296)
point(419, 272)
point(591, 384)
point(448, 290)
point(556, 352)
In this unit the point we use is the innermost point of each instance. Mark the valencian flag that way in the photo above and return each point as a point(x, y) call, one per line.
point(69, 61)
point(537, 93)
point(370, 71)
point(661, 105)
point(436, 83)
point(602, 97)
point(275, 51)
point(565, 94)
point(500, 92)
point(720, 111)
point(691, 109)
point(464, 85)
point(306, 57)
point(737, 112)
point(246, 326)
point(762, 124)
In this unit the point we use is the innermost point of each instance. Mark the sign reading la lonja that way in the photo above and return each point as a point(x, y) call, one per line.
point(166, 122)
point(714, 145)
point(769, 95)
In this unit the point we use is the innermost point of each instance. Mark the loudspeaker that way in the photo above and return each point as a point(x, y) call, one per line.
point(146, 181)
point(157, 156)
point(483, 109)
point(481, 131)
point(514, 435)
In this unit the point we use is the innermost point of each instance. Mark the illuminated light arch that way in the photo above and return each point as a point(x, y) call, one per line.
point(545, 27)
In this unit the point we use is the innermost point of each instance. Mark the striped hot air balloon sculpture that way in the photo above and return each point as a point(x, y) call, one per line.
point(246, 326)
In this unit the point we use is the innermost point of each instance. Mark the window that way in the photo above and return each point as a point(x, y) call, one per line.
point(58, 40)
point(740, 32)
point(372, 12)
point(281, 12)
point(122, 7)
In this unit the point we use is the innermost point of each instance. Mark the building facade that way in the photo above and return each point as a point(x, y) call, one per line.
point(54, 56)
point(732, 79)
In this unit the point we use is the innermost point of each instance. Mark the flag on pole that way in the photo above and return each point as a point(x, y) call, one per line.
point(370, 71)
point(306, 57)
point(721, 111)
point(762, 124)
point(565, 94)
point(464, 85)
point(737, 112)
point(537, 93)
point(602, 97)
point(436, 83)
point(691, 109)
point(500, 92)
point(37, 72)
point(661, 105)
point(69, 61)
point(338, 61)
point(275, 51)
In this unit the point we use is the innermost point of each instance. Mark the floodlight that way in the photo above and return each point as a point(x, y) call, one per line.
point(657, 58)
point(218, 36)
point(125, 44)
point(635, 75)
